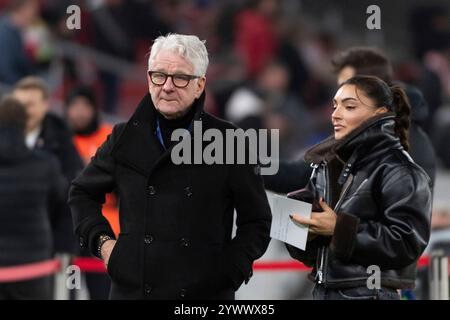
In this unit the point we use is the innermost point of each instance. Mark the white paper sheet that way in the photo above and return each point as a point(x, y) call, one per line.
point(283, 228)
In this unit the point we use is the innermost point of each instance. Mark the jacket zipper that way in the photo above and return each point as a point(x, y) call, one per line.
point(319, 270)
point(348, 183)
point(319, 276)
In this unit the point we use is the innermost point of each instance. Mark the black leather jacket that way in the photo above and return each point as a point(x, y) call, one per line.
point(383, 205)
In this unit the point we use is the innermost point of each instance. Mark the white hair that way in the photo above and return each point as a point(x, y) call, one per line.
point(189, 47)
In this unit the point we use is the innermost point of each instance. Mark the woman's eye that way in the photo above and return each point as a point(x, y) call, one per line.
point(350, 107)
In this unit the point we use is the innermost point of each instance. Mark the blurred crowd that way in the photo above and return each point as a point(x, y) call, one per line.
point(271, 67)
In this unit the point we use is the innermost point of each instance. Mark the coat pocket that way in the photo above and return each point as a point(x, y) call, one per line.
point(124, 263)
point(358, 293)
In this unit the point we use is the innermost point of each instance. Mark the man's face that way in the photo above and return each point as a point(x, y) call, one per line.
point(80, 113)
point(29, 12)
point(173, 102)
point(35, 104)
point(346, 73)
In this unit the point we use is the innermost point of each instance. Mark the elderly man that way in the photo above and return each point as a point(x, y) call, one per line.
point(175, 220)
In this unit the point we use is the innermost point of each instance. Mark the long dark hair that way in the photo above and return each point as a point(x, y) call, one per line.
point(392, 97)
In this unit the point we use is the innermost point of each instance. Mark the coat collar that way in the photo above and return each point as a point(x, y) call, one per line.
point(363, 144)
point(12, 145)
point(138, 146)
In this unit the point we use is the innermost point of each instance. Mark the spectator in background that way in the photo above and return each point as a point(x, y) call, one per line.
point(255, 37)
point(83, 118)
point(268, 103)
point(82, 115)
point(111, 36)
point(14, 62)
point(28, 178)
point(369, 61)
point(46, 131)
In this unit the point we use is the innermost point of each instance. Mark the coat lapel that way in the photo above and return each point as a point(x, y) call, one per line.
point(137, 146)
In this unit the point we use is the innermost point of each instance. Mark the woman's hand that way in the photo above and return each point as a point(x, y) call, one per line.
point(320, 223)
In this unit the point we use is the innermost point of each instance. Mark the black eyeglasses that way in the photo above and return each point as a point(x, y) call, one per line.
point(179, 80)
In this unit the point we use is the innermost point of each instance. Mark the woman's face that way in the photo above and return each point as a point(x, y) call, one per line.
point(351, 108)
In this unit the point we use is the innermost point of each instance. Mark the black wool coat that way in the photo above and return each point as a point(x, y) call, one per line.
point(176, 220)
point(56, 139)
point(29, 180)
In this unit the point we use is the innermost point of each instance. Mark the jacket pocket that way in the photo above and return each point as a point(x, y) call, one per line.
point(112, 256)
point(358, 293)
point(123, 262)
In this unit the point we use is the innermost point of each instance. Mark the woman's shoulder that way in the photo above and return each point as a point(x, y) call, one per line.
point(400, 165)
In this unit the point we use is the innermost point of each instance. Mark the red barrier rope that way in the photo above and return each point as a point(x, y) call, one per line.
point(29, 271)
point(290, 265)
point(95, 265)
point(424, 261)
point(87, 264)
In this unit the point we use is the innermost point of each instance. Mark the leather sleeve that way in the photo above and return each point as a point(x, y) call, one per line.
point(400, 235)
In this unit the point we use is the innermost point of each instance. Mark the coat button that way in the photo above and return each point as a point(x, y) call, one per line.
point(184, 242)
point(81, 242)
point(151, 190)
point(147, 289)
point(183, 293)
point(135, 123)
point(188, 191)
point(148, 239)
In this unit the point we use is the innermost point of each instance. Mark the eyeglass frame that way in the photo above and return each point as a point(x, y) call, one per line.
point(191, 77)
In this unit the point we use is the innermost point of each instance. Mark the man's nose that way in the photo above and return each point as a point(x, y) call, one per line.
point(169, 86)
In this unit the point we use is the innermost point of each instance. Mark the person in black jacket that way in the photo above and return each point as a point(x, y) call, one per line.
point(28, 178)
point(366, 61)
point(371, 62)
point(176, 220)
point(371, 221)
point(46, 131)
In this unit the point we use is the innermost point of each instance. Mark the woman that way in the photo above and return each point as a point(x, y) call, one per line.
point(375, 202)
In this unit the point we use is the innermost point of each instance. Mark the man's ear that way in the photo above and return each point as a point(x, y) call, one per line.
point(381, 110)
point(200, 86)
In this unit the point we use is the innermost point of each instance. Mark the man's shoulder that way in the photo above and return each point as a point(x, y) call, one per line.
point(117, 131)
point(118, 128)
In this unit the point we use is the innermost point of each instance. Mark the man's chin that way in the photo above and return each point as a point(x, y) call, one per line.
point(169, 113)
